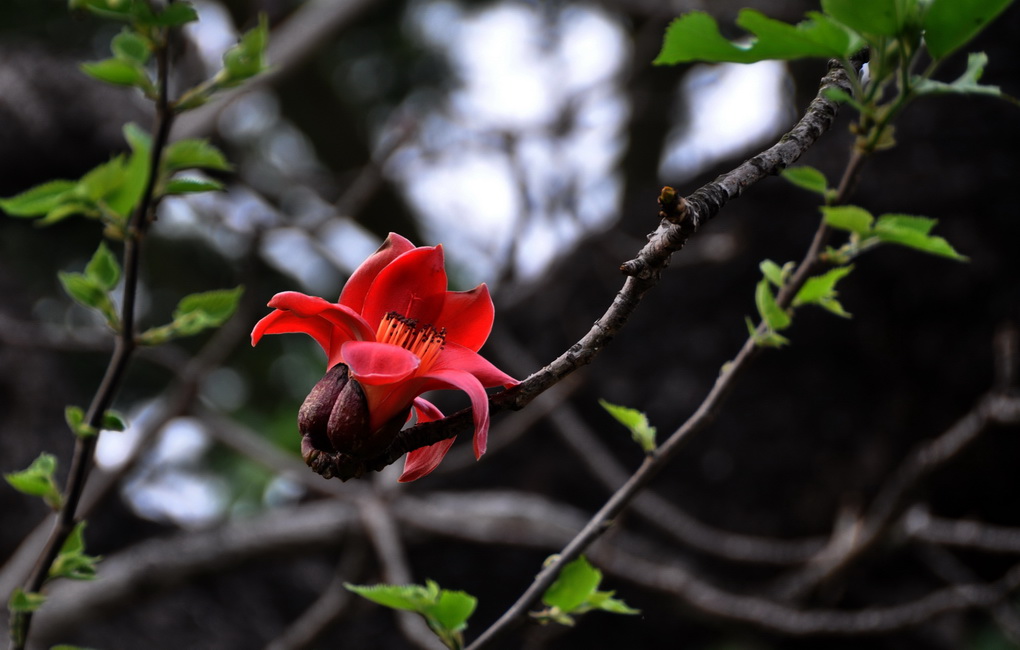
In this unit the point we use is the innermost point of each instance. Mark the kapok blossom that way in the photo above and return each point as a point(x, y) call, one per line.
point(395, 333)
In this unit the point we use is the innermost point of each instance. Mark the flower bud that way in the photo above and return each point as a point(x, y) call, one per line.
point(334, 422)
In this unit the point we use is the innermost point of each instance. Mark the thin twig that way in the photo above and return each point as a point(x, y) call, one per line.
point(672, 234)
point(125, 344)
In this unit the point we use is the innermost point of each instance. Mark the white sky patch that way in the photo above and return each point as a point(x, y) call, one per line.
point(213, 34)
point(534, 127)
point(730, 107)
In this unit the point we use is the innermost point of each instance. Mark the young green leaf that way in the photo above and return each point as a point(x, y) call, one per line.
point(194, 154)
point(25, 601)
point(191, 186)
point(83, 289)
point(453, 609)
point(636, 422)
point(577, 581)
point(114, 421)
point(576, 592)
point(103, 269)
point(37, 480)
point(71, 562)
point(913, 233)
point(775, 317)
point(769, 339)
point(950, 24)
point(695, 37)
point(120, 72)
point(848, 217)
point(821, 290)
point(123, 199)
point(75, 418)
point(131, 46)
point(870, 17)
point(248, 57)
point(776, 275)
point(411, 598)
point(807, 178)
point(966, 84)
point(38, 200)
point(175, 15)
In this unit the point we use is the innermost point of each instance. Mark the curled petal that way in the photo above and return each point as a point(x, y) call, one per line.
point(458, 379)
point(456, 357)
point(353, 294)
point(329, 324)
point(467, 317)
point(284, 322)
point(421, 462)
point(413, 285)
point(377, 364)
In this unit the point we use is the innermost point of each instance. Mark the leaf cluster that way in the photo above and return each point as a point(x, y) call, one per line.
point(575, 592)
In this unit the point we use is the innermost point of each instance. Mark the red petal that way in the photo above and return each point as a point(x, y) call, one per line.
point(421, 462)
point(413, 285)
point(284, 322)
point(378, 364)
point(353, 294)
point(456, 357)
point(466, 382)
point(330, 325)
point(467, 317)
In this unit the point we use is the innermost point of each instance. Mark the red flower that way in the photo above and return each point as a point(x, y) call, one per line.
point(395, 333)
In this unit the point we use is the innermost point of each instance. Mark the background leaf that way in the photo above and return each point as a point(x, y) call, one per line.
point(695, 37)
point(950, 24)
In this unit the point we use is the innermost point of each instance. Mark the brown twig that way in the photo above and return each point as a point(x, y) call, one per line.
point(125, 344)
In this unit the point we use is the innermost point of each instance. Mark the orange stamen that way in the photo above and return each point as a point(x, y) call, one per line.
point(425, 342)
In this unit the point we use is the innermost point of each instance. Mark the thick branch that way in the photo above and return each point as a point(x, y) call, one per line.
point(643, 271)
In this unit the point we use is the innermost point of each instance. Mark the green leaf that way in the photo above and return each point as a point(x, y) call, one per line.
point(82, 289)
point(966, 84)
point(114, 421)
point(38, 200)
point(248, 57)
point(123, 199)
point(131, 46)
point(604, 601)
point(191, 185)
point(103, 269)
point(770, 339)
point(120, 72)
point(411, 598)
point(75, 418)
point(577, 581)
point(807, 178)
point(213, 306)
point(102, 180)
point(774, 316)
point(950, 24)
point(636, 422)
point(776, 275)
point(175, 15)
point(821, 290)
point(913, 233)
point(25, 601)
point(37, 480)
point(695, 37)
point(872, 17)
point(453, 609)
point(192, 154)
point(848, 217)
point(71, 562)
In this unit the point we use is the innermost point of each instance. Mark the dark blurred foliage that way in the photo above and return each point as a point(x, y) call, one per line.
point(810, 429)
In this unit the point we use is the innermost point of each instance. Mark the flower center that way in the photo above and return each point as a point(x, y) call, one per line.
point(424, 341)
